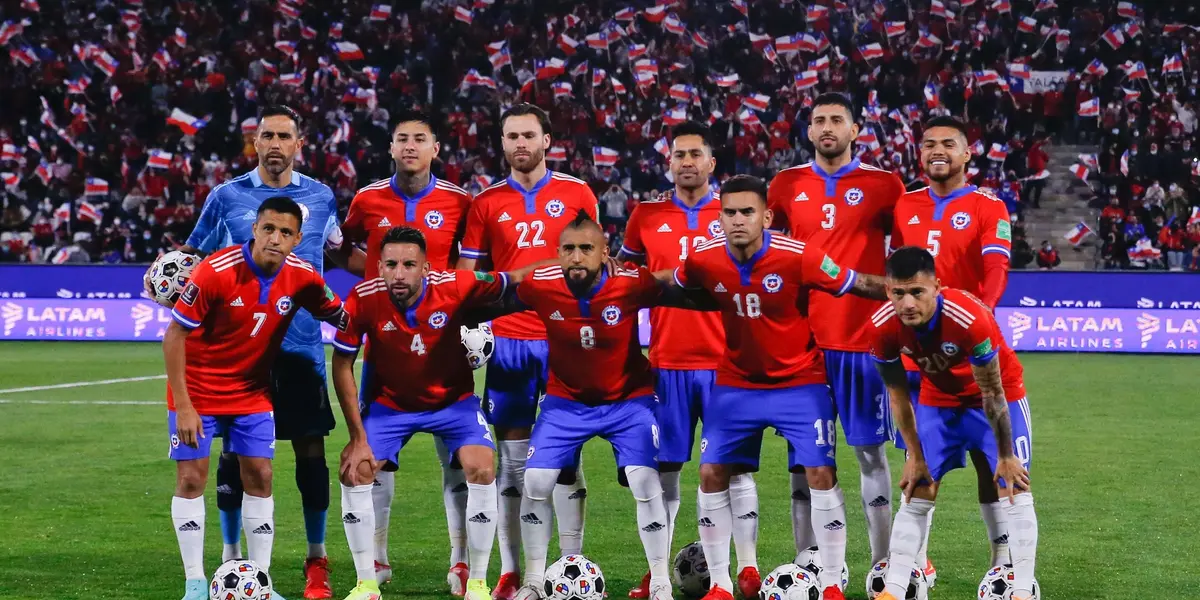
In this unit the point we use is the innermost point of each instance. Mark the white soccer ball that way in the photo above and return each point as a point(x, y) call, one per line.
point(690, 571)
point(479, 343)
point(997, 584)
point(918, 587)
point(170, 274)
point(810, 560)
point(790, 582)
point(240, 580)
point(573, 577)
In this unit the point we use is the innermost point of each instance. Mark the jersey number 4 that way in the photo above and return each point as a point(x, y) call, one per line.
point(530, 234)
point(418, 345)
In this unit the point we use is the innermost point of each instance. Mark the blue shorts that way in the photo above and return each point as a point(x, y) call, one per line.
point(948, 433)
point(516, 378)
point(681, 398)
point(736, 417)
point(914, 391)
point(245, 435)
point(460, 424)
point(563, 426)
point(859, 395)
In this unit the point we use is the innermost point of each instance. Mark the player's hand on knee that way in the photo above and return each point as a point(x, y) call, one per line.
point(189, 427)
point(916, 474)
point(1014, 475)
point(358, 464)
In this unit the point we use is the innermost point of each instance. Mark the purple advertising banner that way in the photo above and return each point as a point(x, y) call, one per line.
point(1027, 329)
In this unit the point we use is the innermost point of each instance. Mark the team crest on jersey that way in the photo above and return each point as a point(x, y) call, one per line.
point(772, 283)
point(960, 220)
point(949, 349)
point(555, 208)
point(714, 228)
point(303, 213)
point(611, 314)
point(434, 219)
point(284, 305)
point(853, 196)
point(438, 320)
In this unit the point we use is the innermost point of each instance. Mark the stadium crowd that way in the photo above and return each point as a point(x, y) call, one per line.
point(113, 136)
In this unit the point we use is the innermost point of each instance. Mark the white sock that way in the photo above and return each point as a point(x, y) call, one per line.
point(996, 520)
point(536, 523)
point(510, 481)
point(651, 521)
point(1022, 541)
point(715, 520)
point(258, 520)
point(743, 503)
point(454, 497)
point(231, 551)
point(481, 527)
point(570, 508)
point(875, 477)
point(923, 554)
point(671, 497)
point(802, 530)
point(829, 520)
point(358, 518)
point(187, 515)
point(908, 536)
point(382, 492)
point(316, 550)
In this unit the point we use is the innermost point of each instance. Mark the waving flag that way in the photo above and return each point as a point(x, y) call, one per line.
point(106, 63)
point(295, 79)
point(618, 87)
point(937, 9)
point(1001, 6)
point(699, 41)
point(561, 89)
point(308, 33)
point(1027, 24)
point(821, 64)
point(10, 153)
point(1126, 10)
point(987, 77)
point(1080, 231)
point(1125, 163)
point(9, 30)
point(1135, 70)
point(725, 81)
point(787, 44)
point(1172, 64)
point(655, 14)
point(1131, 95)
point(95, 187)
point(1091, 108)
point(1019, 70)
point(11, 179)
point(681, 92)
point(556, 154)
point(598, 76)
point(549, 69)
point(928, 40)
point(114, 94)
point(1096, 68)
point(568, 44)
point(636, 51)
point(348, 51)
point(931, 95)
point(286, 47)
point(189, 124)
point(162, 59)
point(463, 14)
point(998, 152)
point(625, 14)
point(646, 66)
point(758, 41)
point(817, 12)
point(180, 37)
point(871, 51)
point(895, 28)
point(500, 59)
point(806, 79)
point(88, 211)
point(604, 157)
point(758, 102)
point(159, 159)
point(1114, 37)
point(597, 41)
point(381, 12)
point(749, 118)
point(674, 25)
point(24, 55)
point(675, 116)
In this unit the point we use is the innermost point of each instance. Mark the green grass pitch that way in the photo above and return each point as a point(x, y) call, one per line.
point(85, 489)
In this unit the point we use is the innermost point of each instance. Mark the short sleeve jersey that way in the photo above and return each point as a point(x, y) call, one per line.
point(439, 211)
point(238, 316)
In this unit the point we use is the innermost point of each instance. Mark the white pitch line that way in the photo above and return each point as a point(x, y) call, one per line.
point(79, 384)
point(86, 402)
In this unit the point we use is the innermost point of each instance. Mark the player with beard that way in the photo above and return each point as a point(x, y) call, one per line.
point(413, 197)
point(515, 223)
point(845, 207)
point(969, 234)
point(685, 346)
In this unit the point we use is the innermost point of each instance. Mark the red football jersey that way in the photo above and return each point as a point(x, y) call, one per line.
point(764, 307)
point(439, 211)
point(518, 227)
point(240, 316)
point(962, 332)
point(417, 358)
point(595, 354)
point(847, 213)
point(958, 231)
point(665, 232)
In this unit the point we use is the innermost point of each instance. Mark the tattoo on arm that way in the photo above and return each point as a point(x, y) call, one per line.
point(995, 405)
point(869, 286)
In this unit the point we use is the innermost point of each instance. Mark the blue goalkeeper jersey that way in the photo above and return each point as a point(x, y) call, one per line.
point(228, 218)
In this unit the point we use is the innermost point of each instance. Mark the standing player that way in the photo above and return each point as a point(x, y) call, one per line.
point(421, 383)
point(438, 209)
point(970, 235)
point(512, 223)
point(771, 374)
point(972, 397)
point(685, 345)
point(844, 207)
point(298, 376)
point(228, 326)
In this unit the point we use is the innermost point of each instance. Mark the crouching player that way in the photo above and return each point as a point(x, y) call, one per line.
point(421, 383)
point(228, 326)
point(972, 398)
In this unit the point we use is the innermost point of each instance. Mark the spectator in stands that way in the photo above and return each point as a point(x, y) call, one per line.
point(1022, 252)
point(614, 202)
point(1173, 242)
point(1047, 256)
point(1133, 230)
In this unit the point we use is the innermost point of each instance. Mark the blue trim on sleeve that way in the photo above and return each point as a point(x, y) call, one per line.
point(850, 279)
point(979, 361)
point(472, 253)
point(997, 249)
point(344, 348)
point(184, 321)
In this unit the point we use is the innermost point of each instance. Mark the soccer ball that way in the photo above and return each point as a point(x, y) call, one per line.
point(240, 580)
point(918, 588)
point(997, 584)
point(169, 274)
point(574, 577)
point(691, 571)
point(790, 582)
point(479, 343)
point(810, 560)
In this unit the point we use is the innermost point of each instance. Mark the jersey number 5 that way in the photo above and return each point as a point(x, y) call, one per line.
point(932, 242)
point(531, 234)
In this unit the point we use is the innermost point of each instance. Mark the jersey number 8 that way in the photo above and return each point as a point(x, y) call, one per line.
point(587, 337)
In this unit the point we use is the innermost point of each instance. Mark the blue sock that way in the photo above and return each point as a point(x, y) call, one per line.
point(312, 479)
point(229, 502)
point(314, 525)
point(231, 526)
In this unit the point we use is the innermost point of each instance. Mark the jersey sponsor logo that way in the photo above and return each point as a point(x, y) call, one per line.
point(1004, 230)
point(664, 228)
point(982, 348)
point(303, 213)
point(556, 316)
point(389, 326)
point(949, 348)
point(555, 208)
point(284, 305)
point(853, 196)
point(915, 220)
point(772, 283)
point(438, 320)
point(960, 220)
point(485, 277)
point(830, 268)
point(249, 215)
point(714, 228)
point(190, 293)
point(802, 197)
point(434, 219)
point(237, 302)
point(611, 314)
point(503, 218)
point(720, 288)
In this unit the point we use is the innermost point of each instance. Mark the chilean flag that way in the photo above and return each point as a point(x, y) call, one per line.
point(43, 172)
point(625, 14)
point(1172, 64)
point(95, 187)
point(937, 9)
point(463, 14)
point(618, 87)
point(561, 89)
point(699, 41)
point(655, 14)
point(998, 152)
point(662, 147)
point(500, 59)
point(821, 64)
point(740, 6)
point(681, 91)
point(931, 95)
point(871, 51)
point(758, 41)
point(604, 157)
point(114, 94)
point(597, 41)
point(758, 102)
point(674, 25)
point(1126, 10)
point(806, 80)
point(556, 154)
point(987, 77)
point(1096, 68)
point(598, 76)
point(548, 69)
point(646, 66)
point(180, 38)
point(1080, 231)
point(787, 44)
point(88, 211)
point(636, 51)
point(726, 80)
point(817, 12)
point(675, 116)
point(1125, 163)
point(381, 12)
point(348, 51)
point(1019, 70)
point(1091, 108)
point(288, 10)
point(12, 179)
point(568, 44)
point(189, 124)
point(1114, 37)
point(105, 62)
point(749, 118)
point(159, 159)
point(1001, 6)
point(895, 28)
point(1027, 24)
point(1136, 71)
point(770, 54)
